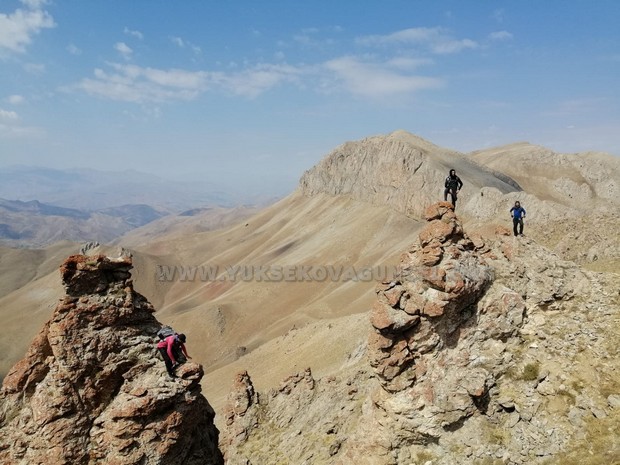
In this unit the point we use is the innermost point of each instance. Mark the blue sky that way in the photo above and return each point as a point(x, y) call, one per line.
point(249, 94)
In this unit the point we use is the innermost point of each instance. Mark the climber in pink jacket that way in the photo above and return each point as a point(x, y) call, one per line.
point(173, 351)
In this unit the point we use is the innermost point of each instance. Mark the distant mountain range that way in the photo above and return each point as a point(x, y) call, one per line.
point(40, 206)
point(87, 189)
point(38, 224)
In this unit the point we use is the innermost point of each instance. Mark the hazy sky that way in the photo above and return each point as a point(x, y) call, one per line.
point(248, 91)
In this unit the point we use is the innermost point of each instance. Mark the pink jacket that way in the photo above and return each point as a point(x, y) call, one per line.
point(168, 344)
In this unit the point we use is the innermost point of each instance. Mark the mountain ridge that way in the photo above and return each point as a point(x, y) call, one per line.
point(273, 329)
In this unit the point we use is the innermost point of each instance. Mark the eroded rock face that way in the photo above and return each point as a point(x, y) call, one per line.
point(486, 349)
point(428, 324)
point(91, 388)
point(424, 310)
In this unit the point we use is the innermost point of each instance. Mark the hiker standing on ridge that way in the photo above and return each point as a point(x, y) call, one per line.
point(452, 185)
point(518, 213)
point(172, 348)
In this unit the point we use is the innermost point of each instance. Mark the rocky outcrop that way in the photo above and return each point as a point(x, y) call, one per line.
point(423, 311)
point(431, 328)
point(302, 421)
point(91, 388)
point(484, 349)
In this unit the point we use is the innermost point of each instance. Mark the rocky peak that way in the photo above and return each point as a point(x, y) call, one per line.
point(400, 170)
point(92, 389)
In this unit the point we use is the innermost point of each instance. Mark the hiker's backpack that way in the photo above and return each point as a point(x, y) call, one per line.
point(165, 331)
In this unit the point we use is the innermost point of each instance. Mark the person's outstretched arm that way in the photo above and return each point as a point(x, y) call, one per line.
point(184, 350)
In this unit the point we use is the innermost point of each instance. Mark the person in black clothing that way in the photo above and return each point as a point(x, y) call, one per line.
point(452, 186)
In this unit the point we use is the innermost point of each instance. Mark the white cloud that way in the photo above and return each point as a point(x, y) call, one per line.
point(34, 4)
point(18, 28)
point(408, 63)
point(132, 83)
point(123, 49)
point(254, 81)
point(11, 127)
point(362, 77)
point(177, 41)
point(377, 80)
point(500, 35)
point(136, 34)
point(15, 99)
point(7, 116)
point(438, 40)
point(34, 68)
point(74, 49)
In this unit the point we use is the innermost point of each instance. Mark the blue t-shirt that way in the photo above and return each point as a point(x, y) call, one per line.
point(517, 212)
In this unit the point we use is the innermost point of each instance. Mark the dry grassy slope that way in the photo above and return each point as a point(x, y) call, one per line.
point(24, 312)
point(21, 266)
point(29, 289)
point(224, 317)
point(179, 226)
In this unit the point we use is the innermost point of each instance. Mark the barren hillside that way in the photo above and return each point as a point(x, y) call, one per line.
point(357, 210)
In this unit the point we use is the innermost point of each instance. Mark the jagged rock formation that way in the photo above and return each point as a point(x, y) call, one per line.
point(91, 388)
point(485, 349)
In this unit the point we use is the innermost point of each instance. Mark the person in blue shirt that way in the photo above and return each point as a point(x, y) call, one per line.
point(518, 213)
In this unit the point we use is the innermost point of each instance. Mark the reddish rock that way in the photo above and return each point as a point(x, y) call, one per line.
point(434, 276)
point(91, 388)
point(438, 210)
point(438, 230)
point(393, 295)
point(431, 254)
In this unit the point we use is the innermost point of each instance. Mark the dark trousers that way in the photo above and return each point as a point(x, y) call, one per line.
point(452, 193)
point(517, 222)
point(167, 361)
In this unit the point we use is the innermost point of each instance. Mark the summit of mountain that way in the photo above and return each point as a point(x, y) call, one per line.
point(400, 170)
